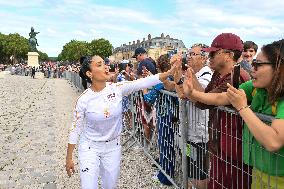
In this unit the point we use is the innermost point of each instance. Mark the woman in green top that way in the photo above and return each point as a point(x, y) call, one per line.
point(263, 144)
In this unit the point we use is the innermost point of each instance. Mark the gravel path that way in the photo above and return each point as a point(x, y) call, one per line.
point(34, 119)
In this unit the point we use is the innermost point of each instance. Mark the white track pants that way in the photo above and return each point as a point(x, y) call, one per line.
point(99, 159)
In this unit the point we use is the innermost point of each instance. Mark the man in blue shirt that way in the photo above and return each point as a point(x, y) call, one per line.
point(144, 61)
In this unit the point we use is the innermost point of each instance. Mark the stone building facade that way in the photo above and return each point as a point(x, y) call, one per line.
point(155, 47)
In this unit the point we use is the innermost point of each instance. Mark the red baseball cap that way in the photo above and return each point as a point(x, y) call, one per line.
point(228, 41)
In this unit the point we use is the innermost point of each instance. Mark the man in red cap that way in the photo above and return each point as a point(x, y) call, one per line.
point(225, 130)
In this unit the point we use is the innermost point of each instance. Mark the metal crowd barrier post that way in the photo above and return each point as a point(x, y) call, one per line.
point(74, 78)
point(184, 132)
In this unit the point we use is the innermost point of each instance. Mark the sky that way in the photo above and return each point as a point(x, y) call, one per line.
point(124, 21)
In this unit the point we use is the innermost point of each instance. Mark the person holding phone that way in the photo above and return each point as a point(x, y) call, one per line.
point(263, 143)
point(224, 52)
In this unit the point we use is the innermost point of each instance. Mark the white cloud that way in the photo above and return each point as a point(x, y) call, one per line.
point(245, 18)
point(21, 4)
point(59, 21)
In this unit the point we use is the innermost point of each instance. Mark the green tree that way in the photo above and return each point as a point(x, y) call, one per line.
point(59, 57)
point(2, 54)
point(101, 47)
point(73, 50)
point(42, 56)
point(15, 46)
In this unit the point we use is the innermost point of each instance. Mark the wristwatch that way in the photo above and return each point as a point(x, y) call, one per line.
point(180, 82)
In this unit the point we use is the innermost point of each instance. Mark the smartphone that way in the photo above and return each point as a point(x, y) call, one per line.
point(171, 53)
point(112, 67)
point(236, 76)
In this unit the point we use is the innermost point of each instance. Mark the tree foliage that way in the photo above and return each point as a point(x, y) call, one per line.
point(73, 50)
point(13, 48)
point(101, 47)
point(43, 56)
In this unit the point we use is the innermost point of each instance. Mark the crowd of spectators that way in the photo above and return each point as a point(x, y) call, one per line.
point(212, 69)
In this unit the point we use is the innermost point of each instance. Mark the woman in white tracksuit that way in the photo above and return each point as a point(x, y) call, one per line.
point(98, 122)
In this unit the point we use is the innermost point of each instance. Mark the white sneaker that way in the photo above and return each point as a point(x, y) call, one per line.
point(155, 178)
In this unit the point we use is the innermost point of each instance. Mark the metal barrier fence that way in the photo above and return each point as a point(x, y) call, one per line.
point(157, 129)
point(199, 148)
point(74, 78)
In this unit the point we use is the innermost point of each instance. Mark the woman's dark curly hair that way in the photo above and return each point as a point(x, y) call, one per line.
point(275, 54)
point(86, 61)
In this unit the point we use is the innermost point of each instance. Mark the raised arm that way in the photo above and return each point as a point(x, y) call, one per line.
point(128, 87)
point(217, 99)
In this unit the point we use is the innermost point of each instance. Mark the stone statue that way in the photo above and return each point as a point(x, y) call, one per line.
point(32, 40)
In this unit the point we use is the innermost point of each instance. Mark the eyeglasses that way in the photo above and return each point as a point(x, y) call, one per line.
point(192, 54)
point(249, 50)
point(199, 45)
point(255, 64)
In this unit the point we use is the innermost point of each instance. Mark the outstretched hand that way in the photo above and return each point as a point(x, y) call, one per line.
point(145, 72)
point(176, 60)
point(237, 97)
point(163, 76)
point(188, 83)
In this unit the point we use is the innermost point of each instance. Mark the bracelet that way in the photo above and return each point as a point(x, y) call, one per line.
point(247, 106)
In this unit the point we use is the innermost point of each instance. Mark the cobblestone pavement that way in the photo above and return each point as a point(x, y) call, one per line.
point(34, 118)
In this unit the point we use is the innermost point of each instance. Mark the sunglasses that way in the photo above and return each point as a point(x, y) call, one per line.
point(214, 53)
point(256, 64)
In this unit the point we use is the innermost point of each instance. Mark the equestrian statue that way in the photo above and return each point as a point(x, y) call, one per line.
point(32, 40)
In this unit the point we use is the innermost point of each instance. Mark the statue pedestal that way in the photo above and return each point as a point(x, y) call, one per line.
point(33, 59)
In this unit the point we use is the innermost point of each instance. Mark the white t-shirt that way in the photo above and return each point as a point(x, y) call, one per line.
point(197, 118)
point(98, 115)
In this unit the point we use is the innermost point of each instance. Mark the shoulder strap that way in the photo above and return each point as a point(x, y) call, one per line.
point(273, 108)
point(204, 73)
point(253, 92)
